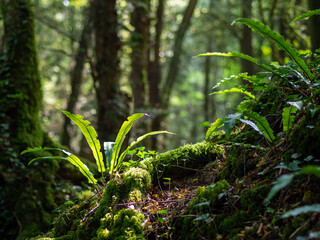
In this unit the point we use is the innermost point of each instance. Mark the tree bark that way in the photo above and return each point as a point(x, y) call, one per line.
point(175, 60)
point(314, 25)
point(76, 74)
point(154, 75)
point(246, 39)
point(112, 106)
point(28, 200)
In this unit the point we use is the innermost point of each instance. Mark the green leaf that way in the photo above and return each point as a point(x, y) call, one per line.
point(202, 217)
point(297, 104)
point(300, 210)
point(262, 124)
point(235, 90)
point(207, 203)
point(314, 170)
point(108, 150)
point(281, 183)
point(307, 14)
point(238, 55)
point(251, 124)
point(36, 149)
point(230, 121)
point(91, 136)
point(218, 123)
point(287, 118)
point(163, 211)
point(73, 160)
point(139, 139)
point(125, 128)
point(265, 31)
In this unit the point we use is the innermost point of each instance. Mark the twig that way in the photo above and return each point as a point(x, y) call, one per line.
point(91, 211)
point(18, 221)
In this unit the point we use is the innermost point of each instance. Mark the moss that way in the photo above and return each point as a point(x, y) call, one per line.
point(294, 224)
point(127, 224)
point(232, 225)
point(137, 178)
point(252, 198)
point(135, 195)
point(306, 135)
point(190, 156)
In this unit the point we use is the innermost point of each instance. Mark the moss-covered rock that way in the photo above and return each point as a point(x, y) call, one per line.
point(137, 178)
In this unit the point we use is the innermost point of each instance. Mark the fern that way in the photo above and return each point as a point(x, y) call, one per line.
point(70, 158)
point(307, 14)
point(265, 31)
point(254, 79)
point(218, 123)
point(262, 124)
point(287, 118)
point(239, 55)
point(235, 90)
point(91, 136)
point(125, 128)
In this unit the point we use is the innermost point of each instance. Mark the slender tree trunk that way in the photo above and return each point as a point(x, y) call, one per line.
point(112, 106)
point(175, 60)
point(28, 201)
point(246, 40)
point(154, 74)
point(314, 25)
point(76, 74)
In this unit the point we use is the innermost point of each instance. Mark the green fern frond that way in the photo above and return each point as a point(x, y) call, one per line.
point(91, 136)
point(74, 160)
point(265, 31)
point(238, 55)
point(307, 14)
point(287, 118)
point(218, 123)
point(235, 90)
point(125, 128)
point(262, 124)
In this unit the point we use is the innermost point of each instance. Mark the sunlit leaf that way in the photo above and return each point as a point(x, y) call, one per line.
point(307, 14)
point(300, 210)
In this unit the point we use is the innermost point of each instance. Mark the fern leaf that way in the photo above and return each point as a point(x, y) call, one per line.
point(265, 31)
point(139, 139)
point(218, 123)
point(238, 55)
point(287, 118)
point(230, 121)
point(251, 124)
point(72, 159)
point(235, 90)
point(307, 14)
point(36, 149)
point(125, 128)
point(91, 136)
point(262, 124)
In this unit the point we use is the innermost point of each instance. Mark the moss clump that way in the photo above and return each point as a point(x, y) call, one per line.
point(137, 178)
point(306, 135)
point(233, 224)
point(210, 194)
point(252, 198)
point(190, 156)
point(126, 224)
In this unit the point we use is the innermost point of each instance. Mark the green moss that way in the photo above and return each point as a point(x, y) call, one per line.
point(252, 198)
point(137, 178)
point(294, 224)
point(127, 224)
point(211, 192)
point(306, 135)
point(190, 156)
point(232, 225)
point(135, 195)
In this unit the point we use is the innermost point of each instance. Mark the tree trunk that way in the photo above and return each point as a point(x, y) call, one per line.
point(154, 75)
point(314, 25)
point(76, 74)
point(246, 40)
point(26, 193)
point(112, 107)
point(175, 60)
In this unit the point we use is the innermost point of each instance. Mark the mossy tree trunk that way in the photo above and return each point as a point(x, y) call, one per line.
point(25, 192)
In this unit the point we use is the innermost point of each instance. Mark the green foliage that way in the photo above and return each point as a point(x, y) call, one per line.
point(137, 178)
point(239, 55)
point(287, 118)
point(236, 90)
point(300, 210)
point(280, 42)
point(117, 159)
point(74, 160)
point(91, 136)
point(218, 123)
point(307, 14)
